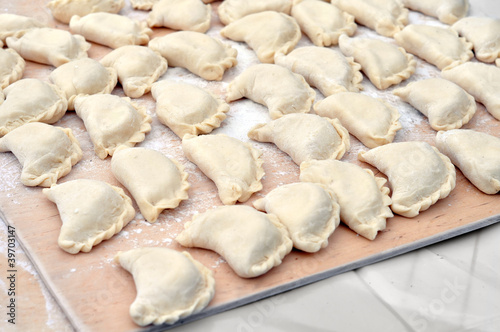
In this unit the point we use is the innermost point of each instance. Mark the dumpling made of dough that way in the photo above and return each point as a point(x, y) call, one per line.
point(49, 46)
point(13, 25)
point(232, 10)
point(143, 4)
point(91, 211)
point(276, 87)
point(112, 30)
point(63, 10)
point(476, 154)
point(190, 15)
point(250, 241)
point(138, 67)
point(483, 33)
point(46, 152)
point(447, 11)
point(383, 63)
point(446, 104)
point(322, 22)
point(45, 102)
point(441, 47)
point(155, 181)
point(234, 166)
point(112, 121)
point(304, 136)
point(480, 80)
point(371, 120)
point(386, 17)
point(11, 67)
point(197, 52)
point(309, 212)
point(497, 62)
point(419, 175)
point(188, 109)
point(267, 33)
point(324, 68)
point(363, 199)
point(170, 285)
point(83, 77)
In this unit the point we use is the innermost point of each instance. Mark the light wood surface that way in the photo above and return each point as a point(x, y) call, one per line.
point(95, 293)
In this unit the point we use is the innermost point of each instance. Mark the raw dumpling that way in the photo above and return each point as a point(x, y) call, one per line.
point(441, 47)
point(91, 211)
point(188, 109)
point(63, 10)
point(419, 175)
point(11, 67)
point(267, 33)
point(47, 153)
point(250, 241)
point(483, 33)
point(363, 199)
point(476, 154)
point(232, 10)
point(278, 88)
point(138, 67)
point(309, 212)
point(155, 181)
point(447, 11)
point(143, 4)
point(199, 53)
point(49, 46)
point(324, 68)
point(446, 104)
point(83, 77)
point(112, 121)
point(304, 136)
point(235, 167)
point(112, 30)
point(371, 120)
point(322, 22)
point(482, 81)
point(170, 285)
point(44, 103)
point(384, 16)
point(12, 25)
point(383, 63)
point(191, 15)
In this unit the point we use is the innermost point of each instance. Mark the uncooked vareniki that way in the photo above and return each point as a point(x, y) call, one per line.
point(155, 181)
point(483, 33)
point(170, 285)
point(191, 15)
point(278, 88)
point(324, 68)
point(143, 4)
point(13, 25)
point(63, 10)
point(11, 67)
point(419, 175)
point(46, 152)
point(304, 136)
point(91, 211)
point(363, 199)
point(232, 10)
point(309, 212)
point(250, 241)
point(188, 109)
point(199, 53)
point(267, 33)
point(371, 120)
point(112, 121)
point(447, 11)
point(446, 104)
point(137, 67)
point(235, 167)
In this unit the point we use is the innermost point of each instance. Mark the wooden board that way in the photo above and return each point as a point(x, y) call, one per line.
point(95, 293)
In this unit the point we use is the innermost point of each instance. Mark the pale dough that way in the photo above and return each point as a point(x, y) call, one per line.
point(199, 53)
point(13, 25)
point(46, 152)
point(143, 4)
point(11, 67)
point(363, 199)
point(447, 11)
point(170, 285)
point(250, 241)
point(235, 167)
point(63, 10)
point(304, 136)
point(483, 33)
point(190, 15)
point(188, 109)
point(91, 211)
point(232, 10)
